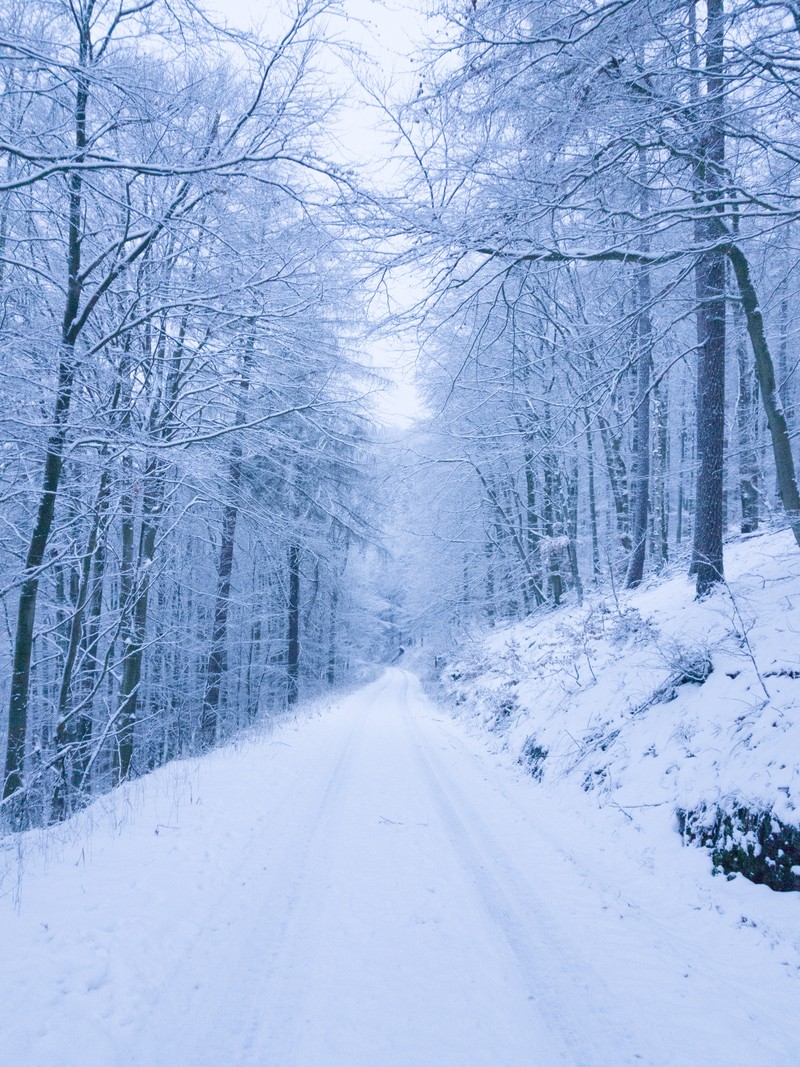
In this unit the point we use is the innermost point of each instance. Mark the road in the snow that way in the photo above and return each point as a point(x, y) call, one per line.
point(362, 890)
point(378, 921)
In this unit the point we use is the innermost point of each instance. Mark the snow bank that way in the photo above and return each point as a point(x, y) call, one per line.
point(651, 701)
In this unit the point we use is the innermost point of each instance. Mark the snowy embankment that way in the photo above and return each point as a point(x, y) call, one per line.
point(671, 718)
point(370, 888)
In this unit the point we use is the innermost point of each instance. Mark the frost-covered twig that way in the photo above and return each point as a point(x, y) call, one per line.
point(744, 633)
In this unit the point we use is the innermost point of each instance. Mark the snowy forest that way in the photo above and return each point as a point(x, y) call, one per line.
point(400, 533)
point(183, 437)
point(588, 237)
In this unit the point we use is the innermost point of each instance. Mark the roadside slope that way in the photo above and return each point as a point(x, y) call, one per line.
point(651, 700)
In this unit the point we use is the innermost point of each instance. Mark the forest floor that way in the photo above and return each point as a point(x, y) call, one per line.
point(370, 886)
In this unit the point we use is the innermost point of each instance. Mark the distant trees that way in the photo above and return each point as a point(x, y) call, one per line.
point(604, 195)
point(178, 403)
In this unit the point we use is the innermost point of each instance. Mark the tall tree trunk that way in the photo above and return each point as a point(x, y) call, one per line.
point(489, 552)
point(72, 737)
point(217, 657)
point(592, 499)
point(661, 406)
point(332, 629)
point(532, 538)
point(641, 492)
point(707, 561)
point(219, 636)
point(765, 371)
point(708, 529)
point(786, 385)
point(746, 413)
point(684, 443)
point(552, 493)
point(92, 638)
point(571, 527)
point(293, 627)
point(253, 656)
point(137, 584)
point(26, 608)
point(617, 477)
point(511, 536)
point(54, 455)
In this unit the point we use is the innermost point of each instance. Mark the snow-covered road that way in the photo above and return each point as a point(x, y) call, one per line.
point(367, 888)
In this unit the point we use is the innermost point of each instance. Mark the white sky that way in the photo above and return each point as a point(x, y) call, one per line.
point(386, 33)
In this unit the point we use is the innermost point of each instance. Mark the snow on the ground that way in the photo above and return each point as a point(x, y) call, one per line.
point(372, 888)
point(595, 686)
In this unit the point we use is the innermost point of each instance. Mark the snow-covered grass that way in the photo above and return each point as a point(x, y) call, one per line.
point(159, 797)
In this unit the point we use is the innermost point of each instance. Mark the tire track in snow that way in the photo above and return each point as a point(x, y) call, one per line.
point(517, 918)
point(390, 960)
point(259, 914)
point(268, 975)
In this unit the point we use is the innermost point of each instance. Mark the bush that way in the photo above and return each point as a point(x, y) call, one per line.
point(746, 841)
point(533, 757)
